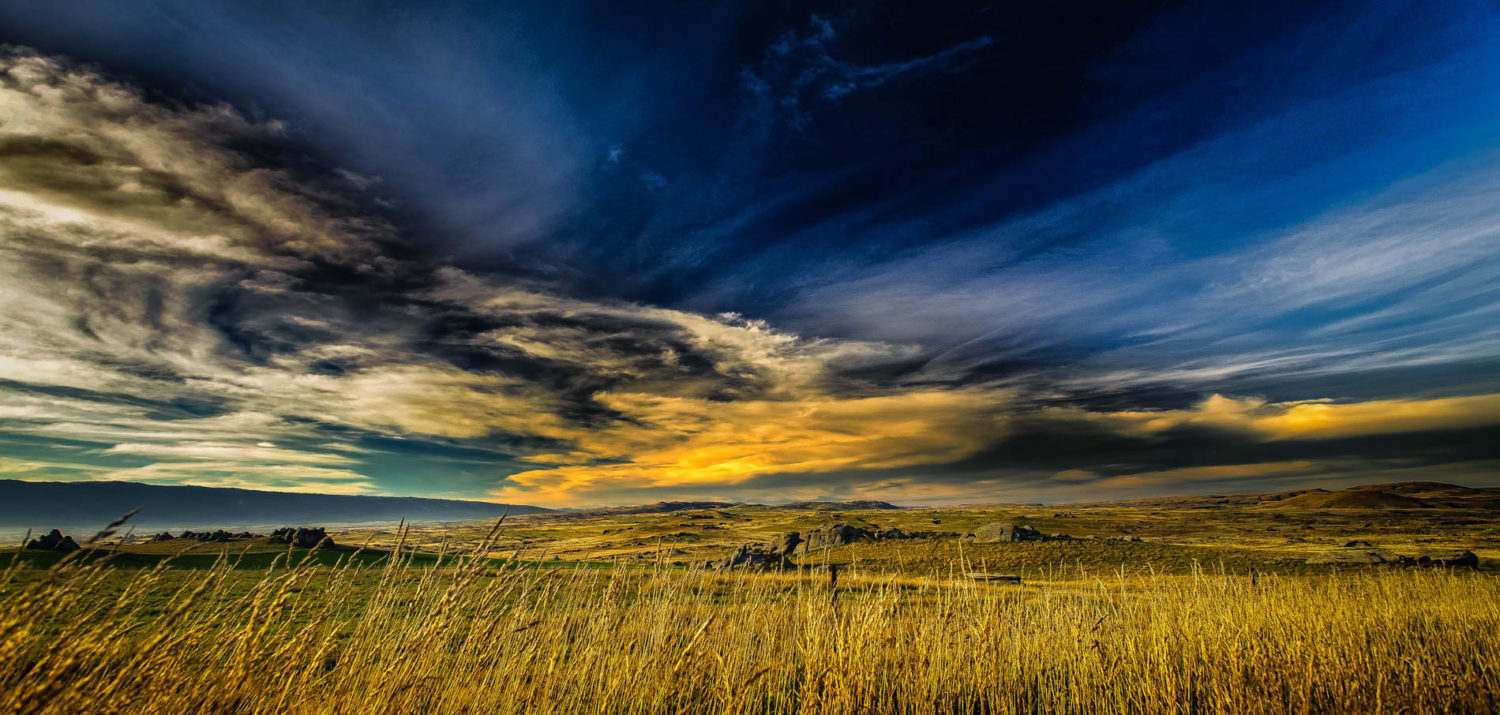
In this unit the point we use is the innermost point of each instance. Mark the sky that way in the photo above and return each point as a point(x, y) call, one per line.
point(578, 254)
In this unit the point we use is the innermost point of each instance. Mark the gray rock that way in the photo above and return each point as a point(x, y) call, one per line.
point(996, 531)
point(302, 537)
point(749, 556)
point(834, 535)
point(53, 540)
point(786, 544)
point(892, 533)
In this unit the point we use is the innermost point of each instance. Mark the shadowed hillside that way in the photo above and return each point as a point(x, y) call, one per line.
point(45, 505)
point(1398, 495)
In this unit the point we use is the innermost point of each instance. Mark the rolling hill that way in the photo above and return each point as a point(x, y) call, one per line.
point(1351, 499)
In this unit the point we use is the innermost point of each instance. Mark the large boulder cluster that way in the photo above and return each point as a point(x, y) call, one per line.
point(53, 540)
point(750, 556)
point(840, 534)
point(303, 537)
point(774, 555)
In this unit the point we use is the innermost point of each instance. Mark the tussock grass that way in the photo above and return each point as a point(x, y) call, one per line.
point(306, 638)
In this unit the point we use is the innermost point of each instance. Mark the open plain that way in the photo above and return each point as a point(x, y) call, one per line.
point(1247, 604)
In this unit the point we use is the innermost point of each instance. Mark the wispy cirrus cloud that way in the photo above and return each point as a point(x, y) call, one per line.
point(800, 70)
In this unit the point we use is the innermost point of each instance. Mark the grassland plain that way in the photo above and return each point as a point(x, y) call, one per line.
point(1213, 611)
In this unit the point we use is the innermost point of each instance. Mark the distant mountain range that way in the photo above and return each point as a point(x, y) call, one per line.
point(664, 507)
point(854, 505)
point(91, 505)
point(1393, 495)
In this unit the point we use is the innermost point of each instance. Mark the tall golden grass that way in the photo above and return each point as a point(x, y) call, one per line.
point(85, 638)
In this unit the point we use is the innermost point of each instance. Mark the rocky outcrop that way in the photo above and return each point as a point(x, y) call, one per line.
point(53, 540)
point(750, 556)
point(302, 537)
point(163, 536)
point(834, 535)
point(1358, 544)
point(786, 544)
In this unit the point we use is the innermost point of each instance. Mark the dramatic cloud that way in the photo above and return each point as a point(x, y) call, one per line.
point(201, 287)
point(193, 296)
point(1322, 419)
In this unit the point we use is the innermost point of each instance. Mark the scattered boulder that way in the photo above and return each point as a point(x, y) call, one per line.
point(891, 532)
point(1358, 544)
point(1453, 558)
point(1448, 558)
point(996, 531)
point(1363, 556)
point(53, 540)
point(302, 537)
point(834, 535)
point(750, 556)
